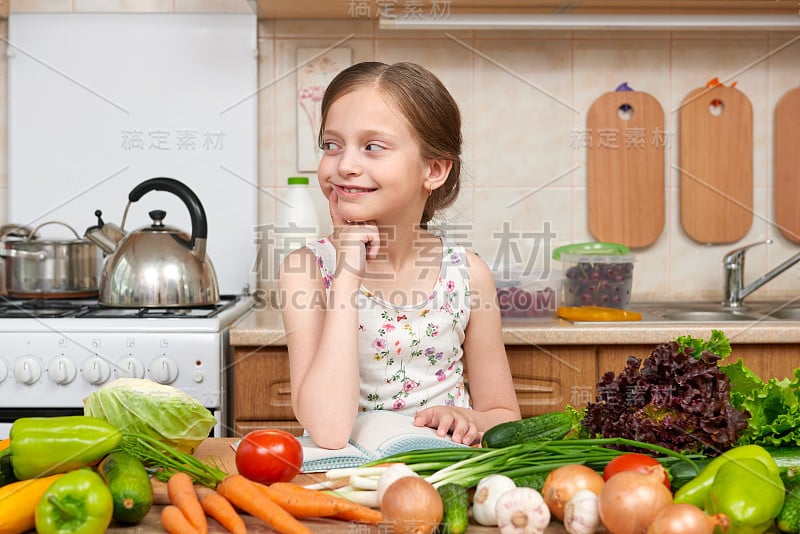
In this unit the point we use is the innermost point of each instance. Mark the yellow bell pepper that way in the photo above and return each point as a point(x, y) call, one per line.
point(18, 502)
point(597, 313)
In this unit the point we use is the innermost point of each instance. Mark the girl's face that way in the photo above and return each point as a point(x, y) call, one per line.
point(371, 158)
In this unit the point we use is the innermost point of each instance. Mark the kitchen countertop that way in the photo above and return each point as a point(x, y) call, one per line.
point(262, 328)
point(219, 449)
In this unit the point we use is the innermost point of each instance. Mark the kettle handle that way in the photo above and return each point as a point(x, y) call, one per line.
point(180, 190)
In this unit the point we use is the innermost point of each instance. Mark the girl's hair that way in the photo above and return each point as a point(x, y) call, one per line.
point(426, 104)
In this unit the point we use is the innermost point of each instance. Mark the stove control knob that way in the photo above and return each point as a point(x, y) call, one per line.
point(129, 368)
point(61, 370)
point(3, 370)
point(164, 370)
point(96, 370)
point(28, 370)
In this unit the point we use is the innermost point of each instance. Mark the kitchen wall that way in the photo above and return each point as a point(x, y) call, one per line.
point(524, 97)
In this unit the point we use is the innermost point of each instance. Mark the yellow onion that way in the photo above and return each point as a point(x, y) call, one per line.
point(630, 501)
point(411, 505)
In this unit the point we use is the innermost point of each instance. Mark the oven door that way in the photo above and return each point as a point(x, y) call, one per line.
point(9, 415)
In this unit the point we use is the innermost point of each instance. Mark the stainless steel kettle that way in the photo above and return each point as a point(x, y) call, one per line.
point(156, 265)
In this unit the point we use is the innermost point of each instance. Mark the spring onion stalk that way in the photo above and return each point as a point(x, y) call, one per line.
point(467, 466)
point(164, 460)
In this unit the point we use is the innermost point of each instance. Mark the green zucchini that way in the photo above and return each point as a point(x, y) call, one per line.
point(129, 484)
point(788, 519)
point(455, 502)
point(549, 426)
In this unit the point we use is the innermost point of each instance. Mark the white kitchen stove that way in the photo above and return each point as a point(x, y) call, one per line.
point(54, 353)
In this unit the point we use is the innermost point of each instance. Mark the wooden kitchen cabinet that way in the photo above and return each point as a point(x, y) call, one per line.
point(545, 378)
point(261, 390)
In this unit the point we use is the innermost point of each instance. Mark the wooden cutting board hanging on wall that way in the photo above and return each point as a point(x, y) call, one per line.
point(787, 165)
point(716, 164)
point(625, 168)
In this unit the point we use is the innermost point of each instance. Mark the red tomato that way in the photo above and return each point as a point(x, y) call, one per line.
point(631, 462)
point(269, 455)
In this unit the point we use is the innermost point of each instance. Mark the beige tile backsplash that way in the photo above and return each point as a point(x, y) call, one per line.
point(524, 97)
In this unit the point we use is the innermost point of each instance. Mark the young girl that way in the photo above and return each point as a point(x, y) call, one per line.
point(383, 314)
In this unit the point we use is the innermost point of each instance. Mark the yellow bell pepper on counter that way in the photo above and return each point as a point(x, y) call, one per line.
point(597, 313)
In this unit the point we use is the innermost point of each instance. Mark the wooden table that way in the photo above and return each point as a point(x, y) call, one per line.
point(220, 450)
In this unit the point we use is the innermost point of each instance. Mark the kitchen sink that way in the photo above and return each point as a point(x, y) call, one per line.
point(711, 316)
point(785, 314)
point(712, 312)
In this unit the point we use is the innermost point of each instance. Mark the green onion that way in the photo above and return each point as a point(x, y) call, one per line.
point(467, 466)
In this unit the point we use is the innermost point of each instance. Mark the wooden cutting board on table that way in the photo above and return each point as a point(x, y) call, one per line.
point(716, 164)
point(625, 168)
point(787, 165)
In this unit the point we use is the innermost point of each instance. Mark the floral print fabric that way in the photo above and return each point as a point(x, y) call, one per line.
point(410, 357)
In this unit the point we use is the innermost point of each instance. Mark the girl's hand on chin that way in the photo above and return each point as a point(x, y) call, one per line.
point(355, 242)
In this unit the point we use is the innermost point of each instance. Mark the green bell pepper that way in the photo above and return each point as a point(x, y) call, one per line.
point(748, 493)
point(696, 490)
point(77, 503)
point(42, 446)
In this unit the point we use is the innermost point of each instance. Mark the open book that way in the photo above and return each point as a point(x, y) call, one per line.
point(376, 434)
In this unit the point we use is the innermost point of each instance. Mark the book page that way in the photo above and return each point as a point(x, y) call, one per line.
point(381, 433)
point(316, 459)
point(376, 434)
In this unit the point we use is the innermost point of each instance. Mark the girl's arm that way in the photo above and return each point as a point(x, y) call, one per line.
point(321, 335)
point(491, 387)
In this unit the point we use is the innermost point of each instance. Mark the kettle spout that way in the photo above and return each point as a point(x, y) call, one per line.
point(105, 235)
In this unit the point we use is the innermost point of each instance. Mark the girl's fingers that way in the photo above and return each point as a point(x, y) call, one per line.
point(333, 203)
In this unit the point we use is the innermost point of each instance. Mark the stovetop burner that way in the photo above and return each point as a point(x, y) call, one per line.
point(89, 308)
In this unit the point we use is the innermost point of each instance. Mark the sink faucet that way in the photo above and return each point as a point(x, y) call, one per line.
point(734, 290)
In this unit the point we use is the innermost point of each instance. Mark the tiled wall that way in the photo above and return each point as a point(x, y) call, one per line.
point(523, 97)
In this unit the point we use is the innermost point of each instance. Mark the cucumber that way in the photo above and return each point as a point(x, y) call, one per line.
point(681, 472)
point(788, 519)
point(786, 457)
point(129, 484)
point(534, 480)
point(455, 502)
point(549, 426)
point(6, 470)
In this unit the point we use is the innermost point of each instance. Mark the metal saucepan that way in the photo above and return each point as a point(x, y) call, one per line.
point(49, 268)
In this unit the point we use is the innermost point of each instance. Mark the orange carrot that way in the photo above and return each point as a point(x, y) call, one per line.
point(180, 490)
point(174, 522)
point(4, 443)
point(243, 494)
point(361, 514)
point(345, 509)
point(223, 511)
point(311, 503)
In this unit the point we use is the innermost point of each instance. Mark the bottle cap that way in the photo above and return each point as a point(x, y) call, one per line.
point(298, 180)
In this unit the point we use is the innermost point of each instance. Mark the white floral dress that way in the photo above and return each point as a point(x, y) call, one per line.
point(410, 356)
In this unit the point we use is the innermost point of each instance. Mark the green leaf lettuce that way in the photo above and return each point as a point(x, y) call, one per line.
point(773, 405)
